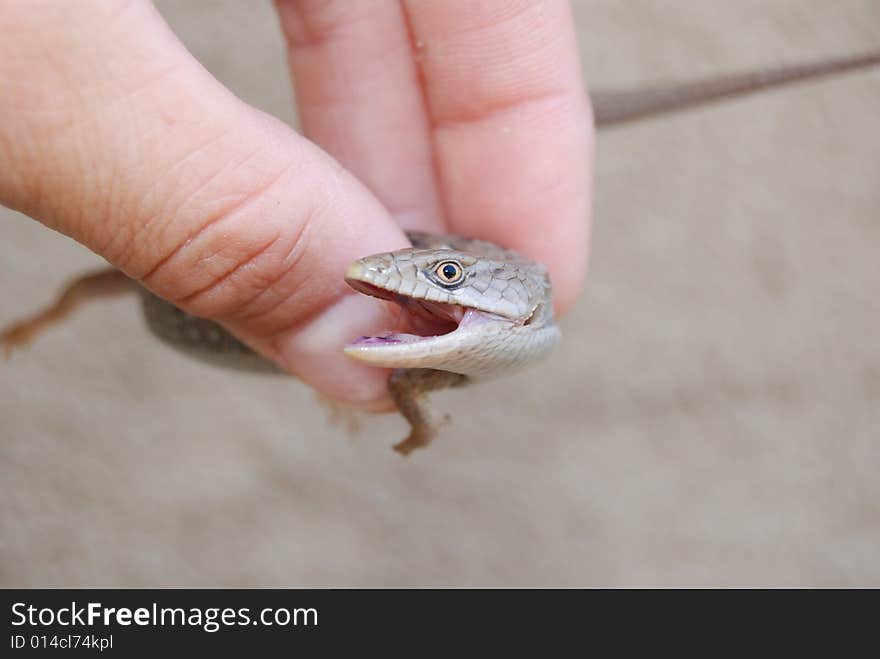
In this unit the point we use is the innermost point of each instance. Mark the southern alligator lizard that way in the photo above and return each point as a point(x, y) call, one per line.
point(474, 309)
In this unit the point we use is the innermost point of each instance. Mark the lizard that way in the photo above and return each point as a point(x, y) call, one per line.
point(475, 309)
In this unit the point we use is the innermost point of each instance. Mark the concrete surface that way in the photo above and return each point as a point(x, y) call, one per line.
point(713, 416)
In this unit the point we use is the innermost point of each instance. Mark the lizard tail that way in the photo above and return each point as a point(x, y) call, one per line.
point(612, 107)
point(100, 283)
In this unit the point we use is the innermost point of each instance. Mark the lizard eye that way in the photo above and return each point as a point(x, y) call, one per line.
point(449, 272)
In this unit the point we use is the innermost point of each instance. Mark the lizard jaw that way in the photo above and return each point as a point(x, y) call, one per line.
point(420, 321)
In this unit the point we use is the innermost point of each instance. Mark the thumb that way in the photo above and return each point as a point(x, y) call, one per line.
point(111, 133)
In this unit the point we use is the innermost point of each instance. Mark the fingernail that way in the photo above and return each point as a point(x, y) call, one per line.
point(315, 352)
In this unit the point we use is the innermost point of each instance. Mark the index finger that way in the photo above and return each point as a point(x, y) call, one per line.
point(511, 127)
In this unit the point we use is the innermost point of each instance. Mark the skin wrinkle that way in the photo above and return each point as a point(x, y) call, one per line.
point(297, 24)
point(89, 91)
point(145, 85)
point(483, 15)
point(320, 289)
point(101, 194)
point(125, 93)
point(313, 24)
point(173, 217)
point(95, 199)
point(517, 108)
point(262, 322)
point(358, 95)
point(79, 44)
point(259, 313)
point(525, 54)
point(127, 237)
point(504, 205)
point(253, 196)
point(574, 114)
point(238, 265)
point(511, 76)
point(267, 284)
point(153, 186)
point(45, 179)
point(143, 147)
point(160, 110)
point(144, 54)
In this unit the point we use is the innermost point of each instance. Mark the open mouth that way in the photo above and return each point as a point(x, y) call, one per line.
point(418, 320)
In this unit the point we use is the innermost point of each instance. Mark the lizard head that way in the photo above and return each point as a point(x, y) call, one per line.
point(446, 294)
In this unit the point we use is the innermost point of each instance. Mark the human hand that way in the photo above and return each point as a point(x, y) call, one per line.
point(459, 116)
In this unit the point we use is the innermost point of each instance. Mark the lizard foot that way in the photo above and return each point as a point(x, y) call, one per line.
point(421, 435)
point(20, 334)
point(408, 445)
point(409, 389)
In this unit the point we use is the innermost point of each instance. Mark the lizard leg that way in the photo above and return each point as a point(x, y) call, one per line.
point(101, 283)
point(409, 387)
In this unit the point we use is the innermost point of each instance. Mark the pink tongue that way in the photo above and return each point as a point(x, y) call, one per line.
point(384, 340)
point(466, 317)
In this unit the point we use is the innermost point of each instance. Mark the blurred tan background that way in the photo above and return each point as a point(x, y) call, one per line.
point(712, 417)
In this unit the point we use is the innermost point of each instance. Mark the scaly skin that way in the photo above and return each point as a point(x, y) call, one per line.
point(501, 311)
point(503, 301)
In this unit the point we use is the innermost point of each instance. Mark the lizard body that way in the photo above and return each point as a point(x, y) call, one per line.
point(472, 309)
point(494, 315)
